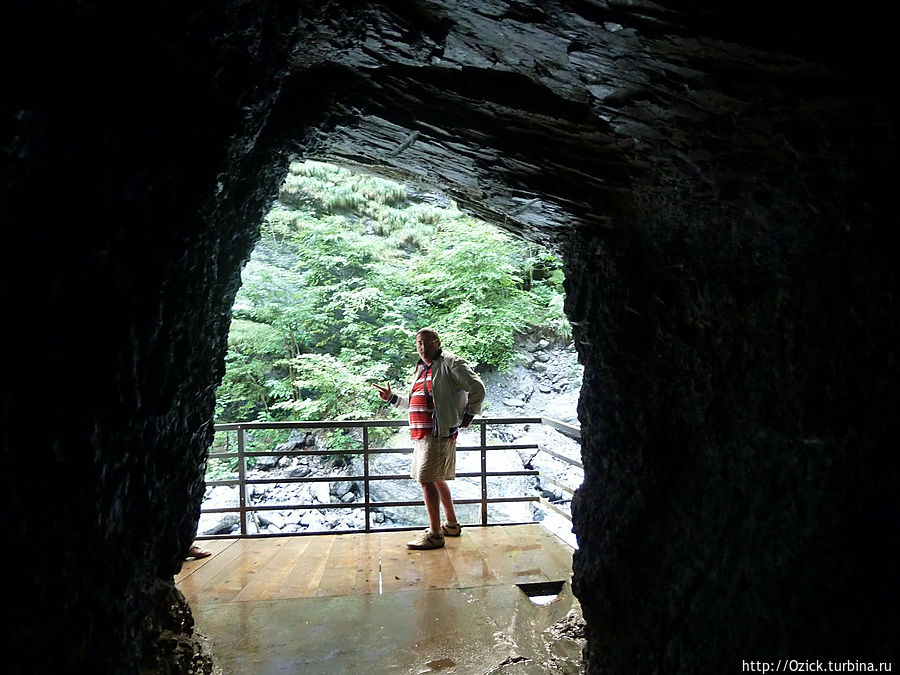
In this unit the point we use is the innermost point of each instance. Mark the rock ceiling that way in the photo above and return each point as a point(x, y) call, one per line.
point(536, 116)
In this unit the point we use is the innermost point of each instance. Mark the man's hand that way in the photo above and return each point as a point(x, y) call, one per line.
point(466, 421)
point(384, 392)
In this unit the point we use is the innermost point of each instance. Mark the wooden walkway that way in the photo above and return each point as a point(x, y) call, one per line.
point(364, 604)
point(242, 570)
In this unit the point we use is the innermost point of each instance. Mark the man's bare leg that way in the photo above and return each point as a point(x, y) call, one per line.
point(446, 501)
point(432, 495)
point(433, 537)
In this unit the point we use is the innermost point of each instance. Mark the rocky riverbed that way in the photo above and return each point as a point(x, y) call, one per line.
point(546, 382)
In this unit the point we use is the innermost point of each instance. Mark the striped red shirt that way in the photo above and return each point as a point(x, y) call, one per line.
point(421, 409)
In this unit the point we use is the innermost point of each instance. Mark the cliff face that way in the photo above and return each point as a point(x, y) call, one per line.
point(718, 178)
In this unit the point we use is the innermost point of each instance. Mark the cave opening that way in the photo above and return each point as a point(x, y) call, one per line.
point(338, 229)
point(333, 292)
point(358, 226)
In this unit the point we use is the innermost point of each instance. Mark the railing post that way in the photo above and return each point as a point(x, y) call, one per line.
point(366, 477)
point(484, 491)
point(242, 478)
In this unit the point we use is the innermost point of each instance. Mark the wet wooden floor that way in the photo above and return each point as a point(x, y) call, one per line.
point(327, 565)
point(364, 603)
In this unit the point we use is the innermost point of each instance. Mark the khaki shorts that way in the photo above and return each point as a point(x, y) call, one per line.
point(433, 459)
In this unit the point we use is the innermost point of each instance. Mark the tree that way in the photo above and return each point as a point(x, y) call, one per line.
point(348, 267)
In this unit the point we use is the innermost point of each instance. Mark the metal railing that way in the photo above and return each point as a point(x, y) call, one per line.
point(247, 510)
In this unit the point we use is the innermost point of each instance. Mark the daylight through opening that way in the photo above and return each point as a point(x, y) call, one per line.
point(347, 268)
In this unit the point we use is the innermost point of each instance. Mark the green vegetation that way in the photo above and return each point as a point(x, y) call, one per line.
point(348, 267)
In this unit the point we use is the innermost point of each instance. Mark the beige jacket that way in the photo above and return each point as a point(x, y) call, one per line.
point(458, 392)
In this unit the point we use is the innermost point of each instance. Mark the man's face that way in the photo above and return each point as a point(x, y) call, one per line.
point(427, 346)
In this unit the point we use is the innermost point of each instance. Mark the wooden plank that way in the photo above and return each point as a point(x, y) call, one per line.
point(342, 571)
point(266, 584)
point(368, 569)
point(400, 569)
point(255, 554)
point(526, 559)
point(200, 580)
point(536, 558)
point(496, 551)
point(469, 564)
point(188, 567)
point(558, 551)
point(304, 579)
point(437, 569)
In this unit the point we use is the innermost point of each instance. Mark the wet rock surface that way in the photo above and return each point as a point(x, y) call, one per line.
point(718, 177)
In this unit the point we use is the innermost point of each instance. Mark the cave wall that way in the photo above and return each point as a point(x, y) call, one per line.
point(131, 196)
point(739, 467)
point(718, 181)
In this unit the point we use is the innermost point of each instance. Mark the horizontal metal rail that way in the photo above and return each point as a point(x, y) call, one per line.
point(247, 510)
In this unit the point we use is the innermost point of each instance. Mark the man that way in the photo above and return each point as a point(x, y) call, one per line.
point(446, 394)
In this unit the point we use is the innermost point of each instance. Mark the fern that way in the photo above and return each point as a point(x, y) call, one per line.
point(348, 267)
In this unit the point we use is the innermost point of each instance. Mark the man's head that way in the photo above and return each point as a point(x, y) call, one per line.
point(428, 344)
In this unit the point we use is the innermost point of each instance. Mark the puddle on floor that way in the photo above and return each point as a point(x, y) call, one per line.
point(440, 664)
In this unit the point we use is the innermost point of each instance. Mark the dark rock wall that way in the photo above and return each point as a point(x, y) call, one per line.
point(718, 178)
point(131, 195)
point(737, 330)
point(738, 485)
